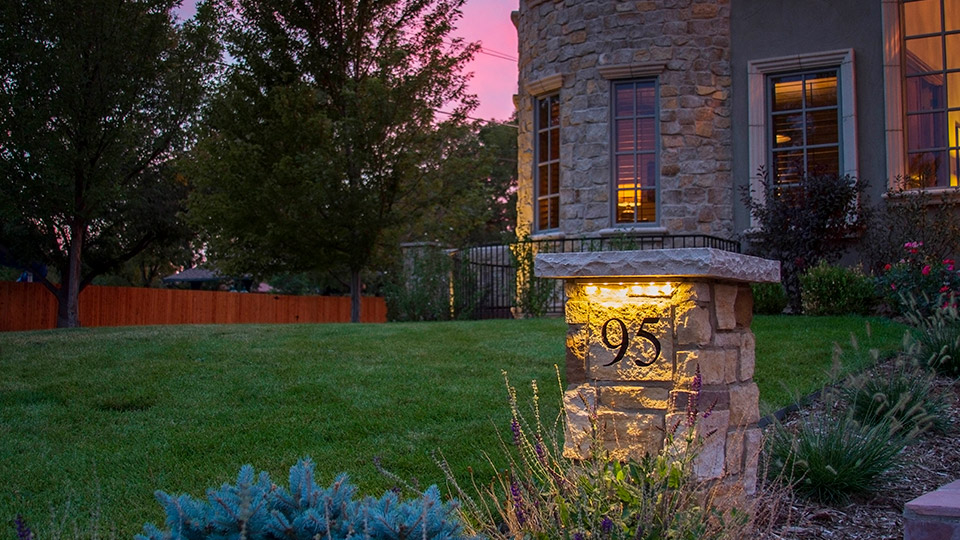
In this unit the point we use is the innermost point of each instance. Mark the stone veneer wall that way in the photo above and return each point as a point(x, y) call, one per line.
point(579, 46)
point(702, 324)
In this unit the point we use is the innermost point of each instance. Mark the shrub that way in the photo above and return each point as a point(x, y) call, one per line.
point(906, 398)
point(930, 218)
point(421, 291)
point(917, 282)
point(769, 298)
point(534, 294)
point(829, 459)
point(935, 339)
point(542, 494)
point(257, 509)
point(835, 290)
point(804, 222)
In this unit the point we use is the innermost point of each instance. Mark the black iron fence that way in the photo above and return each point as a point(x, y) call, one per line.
point(497, 281)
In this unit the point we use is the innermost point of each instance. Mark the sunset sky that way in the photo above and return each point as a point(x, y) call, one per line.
point(495, 78)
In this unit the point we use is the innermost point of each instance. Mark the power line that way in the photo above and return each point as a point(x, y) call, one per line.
point(476, 119)
point(490, 52)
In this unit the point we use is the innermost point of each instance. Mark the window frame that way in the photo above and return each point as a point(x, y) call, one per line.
point(757, 73)
point(555, 129)
point(896, 86)
point(804, 109)
point(655, 152)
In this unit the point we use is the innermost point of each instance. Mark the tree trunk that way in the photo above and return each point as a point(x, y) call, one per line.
point(355, 295)
point(68, 297)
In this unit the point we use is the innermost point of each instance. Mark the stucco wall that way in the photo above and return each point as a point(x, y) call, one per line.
point(762, 29)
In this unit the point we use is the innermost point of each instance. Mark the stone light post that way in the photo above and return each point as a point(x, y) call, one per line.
point(640, 325)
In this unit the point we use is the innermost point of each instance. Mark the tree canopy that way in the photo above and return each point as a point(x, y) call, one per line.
point(325, 121)
point(95, 99)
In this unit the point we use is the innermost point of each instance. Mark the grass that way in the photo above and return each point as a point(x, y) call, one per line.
point(97, 419)
point(795, 353)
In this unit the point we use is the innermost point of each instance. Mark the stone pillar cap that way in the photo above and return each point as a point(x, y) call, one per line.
point(658, 263)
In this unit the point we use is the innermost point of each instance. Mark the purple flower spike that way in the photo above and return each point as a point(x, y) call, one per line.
point(23, 531)
point(606, 526)
point(517, 502)
point(578, 536)
point(515, 428)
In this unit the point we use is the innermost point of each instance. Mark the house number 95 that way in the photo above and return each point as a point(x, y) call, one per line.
point(624, 341)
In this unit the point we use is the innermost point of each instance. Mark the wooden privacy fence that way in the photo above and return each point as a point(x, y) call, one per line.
point(30, 306)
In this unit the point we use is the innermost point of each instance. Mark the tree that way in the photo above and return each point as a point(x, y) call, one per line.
point(471, 199)
point(325, 120)
point(95, 99)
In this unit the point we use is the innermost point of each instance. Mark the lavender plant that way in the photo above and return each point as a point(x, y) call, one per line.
point(257, 509)
point(543, 494)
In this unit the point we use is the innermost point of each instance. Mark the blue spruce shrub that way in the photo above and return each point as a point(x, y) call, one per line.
point(257, 509)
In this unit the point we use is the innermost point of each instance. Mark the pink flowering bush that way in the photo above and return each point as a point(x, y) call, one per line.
point(930, 281)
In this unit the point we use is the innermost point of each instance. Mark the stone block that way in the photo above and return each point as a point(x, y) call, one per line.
point(732, 364)
point(941, 503)
point(711, 399)
point(693, 325)
point(639, 350)
point(576, 311)
point(926, 529)
point(705, 263)
point(725, 298)
point(753, 438)
point(712, 363)
point(748, 355)
point(711, 458)
point(734, 457)
point(744, 404)
point(727, 339)
point(576, 356)
point(580, 405)
point(631, 435)
point(634, 397)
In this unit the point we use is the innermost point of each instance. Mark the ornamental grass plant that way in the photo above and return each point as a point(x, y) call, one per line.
point(934, 340)
point(832, 457)
point(906, 398)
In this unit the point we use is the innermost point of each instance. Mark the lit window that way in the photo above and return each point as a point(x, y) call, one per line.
point(931, 67)
point(805, 125)
point(548, 162)
point(635, 151)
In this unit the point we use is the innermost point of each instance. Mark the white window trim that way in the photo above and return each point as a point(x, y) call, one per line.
point(757, 129)
point(893, 91)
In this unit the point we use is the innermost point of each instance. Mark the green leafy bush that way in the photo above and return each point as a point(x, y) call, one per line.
point(905, 398)
point(835, 290)
point(828, 459)
point(421, 291)
point(929, 218)
point(542, 494)
point(804, 222)
point(919, 282)
point(769, 298)
point(935, 338)
point(257, 509)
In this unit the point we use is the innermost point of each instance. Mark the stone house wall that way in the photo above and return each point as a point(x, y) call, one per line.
point(578, 48)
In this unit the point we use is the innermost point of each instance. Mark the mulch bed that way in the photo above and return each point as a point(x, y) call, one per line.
point(933, 460)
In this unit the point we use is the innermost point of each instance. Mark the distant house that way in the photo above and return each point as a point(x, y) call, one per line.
point(652, 117)
point(195, 277)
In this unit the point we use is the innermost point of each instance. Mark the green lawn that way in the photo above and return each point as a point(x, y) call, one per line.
point(100, 418)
